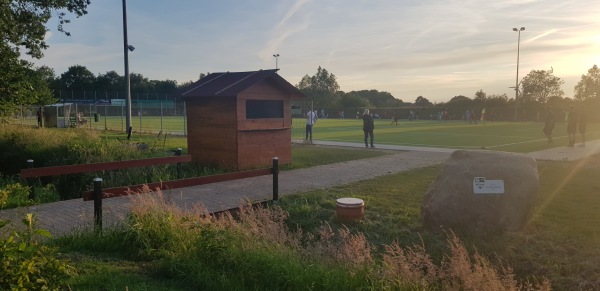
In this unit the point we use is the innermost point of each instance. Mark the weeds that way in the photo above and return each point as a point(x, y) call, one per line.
point(57, 147)
point(255, 250)
point(28, 265)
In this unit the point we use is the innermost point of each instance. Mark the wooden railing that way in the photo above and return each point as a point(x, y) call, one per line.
point(98, 193)
point(108, 166)
point(134, 189)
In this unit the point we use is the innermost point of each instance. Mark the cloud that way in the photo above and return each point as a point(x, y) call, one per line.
point(297, 6)
point(283, 30)
point(544, 34)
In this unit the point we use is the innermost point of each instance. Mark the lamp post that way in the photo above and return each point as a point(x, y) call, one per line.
point(517, 79)
point(126, 49)
point(276, 59)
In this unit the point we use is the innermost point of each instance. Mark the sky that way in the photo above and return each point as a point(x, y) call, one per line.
point(437, 49)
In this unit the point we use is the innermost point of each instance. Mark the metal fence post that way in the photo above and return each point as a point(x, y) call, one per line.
point(275, 179)
point(98, 204)
point(140, 114)
point(161, 116)
point(105, 126)
point(30, 181)
point(184, 119)
point(178, 153)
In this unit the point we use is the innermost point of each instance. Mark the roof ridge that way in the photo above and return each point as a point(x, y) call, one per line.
point(240, 80)
point(194, 88)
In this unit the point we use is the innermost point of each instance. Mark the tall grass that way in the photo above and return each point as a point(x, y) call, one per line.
point(55, 147)
point(256, 250)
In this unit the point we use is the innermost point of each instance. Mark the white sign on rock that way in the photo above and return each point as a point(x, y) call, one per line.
point(483, 186)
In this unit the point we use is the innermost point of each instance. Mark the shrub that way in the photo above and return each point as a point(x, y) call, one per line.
point(28, 265)
point(57, 147)
point(16, 194)
point(255, 250)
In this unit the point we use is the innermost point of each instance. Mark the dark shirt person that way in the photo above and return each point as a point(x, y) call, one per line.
point(582, 125)
point(549, 125)
point(572, 120)
point(368, 126)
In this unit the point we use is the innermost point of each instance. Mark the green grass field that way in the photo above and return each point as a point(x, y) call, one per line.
point(147, 124)
point(501, 136)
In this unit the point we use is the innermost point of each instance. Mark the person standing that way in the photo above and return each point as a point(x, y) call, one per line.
point(368, 126)
point(40, 116)
point(572, 120)
point(394, 119)
point(468, 116)
point(311, 119)
point(483, 115)
point(582, 125)
point(549, 125)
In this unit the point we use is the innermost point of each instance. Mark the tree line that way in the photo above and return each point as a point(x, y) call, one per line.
point(538, 92)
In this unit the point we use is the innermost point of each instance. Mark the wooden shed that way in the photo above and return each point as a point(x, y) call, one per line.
point(240, 120)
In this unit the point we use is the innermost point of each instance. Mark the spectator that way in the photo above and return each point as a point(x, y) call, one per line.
point(368, 126)
point(582, 125)
point(572, 120)
point(311, 119)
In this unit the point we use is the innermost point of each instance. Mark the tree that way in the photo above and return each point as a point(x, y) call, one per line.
point(376, 98)
point(166, 86)
point(321, 87)
point(422, 102)
point(539, 85)
point(588, 88)
point(480, 96)
point(26, 86)
point(140, 83)
point(22, 27)
point(109, 82)
point(321, 81)
point(43, 79)
point(78, 78)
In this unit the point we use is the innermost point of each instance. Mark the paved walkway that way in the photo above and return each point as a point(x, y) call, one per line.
point(66, 216)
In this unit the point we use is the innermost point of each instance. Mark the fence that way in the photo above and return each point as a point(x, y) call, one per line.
point(30, 174)
point(148, 116)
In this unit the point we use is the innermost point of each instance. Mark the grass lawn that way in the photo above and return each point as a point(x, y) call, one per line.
point(559, 243)
point(500, 136)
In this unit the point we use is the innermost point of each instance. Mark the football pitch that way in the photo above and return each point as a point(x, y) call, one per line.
point(500, 136)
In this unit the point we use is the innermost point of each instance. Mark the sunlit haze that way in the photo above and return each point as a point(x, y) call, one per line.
point(436, 49)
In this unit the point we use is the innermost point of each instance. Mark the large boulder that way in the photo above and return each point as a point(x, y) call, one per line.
point(481, 191)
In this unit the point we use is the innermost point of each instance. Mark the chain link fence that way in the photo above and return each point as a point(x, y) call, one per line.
point(155, 116)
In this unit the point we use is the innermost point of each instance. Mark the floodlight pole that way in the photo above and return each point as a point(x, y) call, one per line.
point(517, 79)
point(276, 60)
point(127, 80)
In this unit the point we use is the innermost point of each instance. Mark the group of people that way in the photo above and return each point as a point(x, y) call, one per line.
point(576, 122)
point(368, 126)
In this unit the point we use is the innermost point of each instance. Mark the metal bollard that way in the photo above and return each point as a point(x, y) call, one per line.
point(275, 179)
point(30, 181)
point(98, 204)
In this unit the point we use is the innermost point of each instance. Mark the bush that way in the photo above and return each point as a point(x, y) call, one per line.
point(28, 265)
point(16, 195)
point(57, 147)
point(255, 250)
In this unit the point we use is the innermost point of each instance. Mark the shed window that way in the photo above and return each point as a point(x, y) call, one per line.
point(264, 109)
